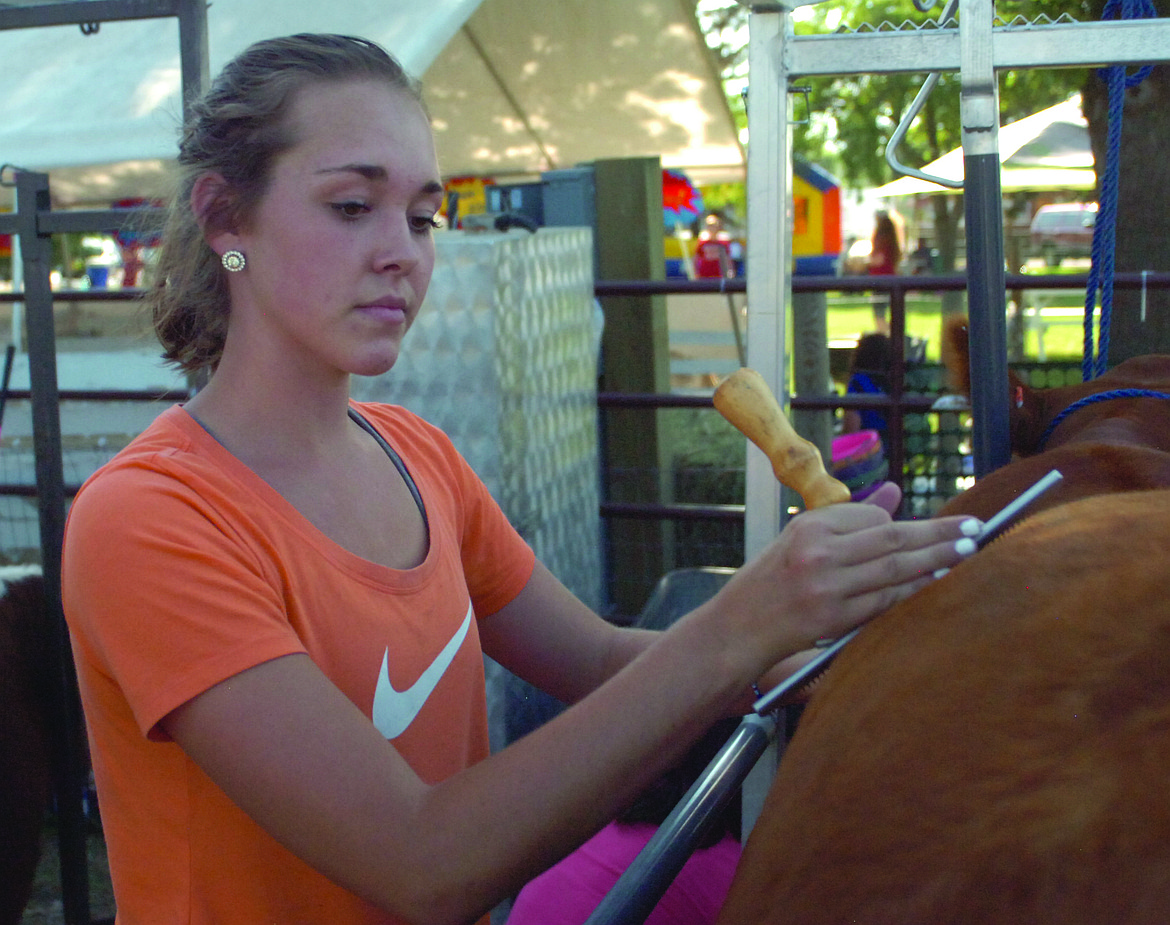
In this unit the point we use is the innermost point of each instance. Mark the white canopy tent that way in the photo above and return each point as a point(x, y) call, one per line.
point(514, 86)
point(1047, 150)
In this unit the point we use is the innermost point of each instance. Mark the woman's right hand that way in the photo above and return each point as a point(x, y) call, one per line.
point(831, 569)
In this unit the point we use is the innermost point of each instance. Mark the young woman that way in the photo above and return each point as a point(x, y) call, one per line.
point(885, 257)
point(279, 598)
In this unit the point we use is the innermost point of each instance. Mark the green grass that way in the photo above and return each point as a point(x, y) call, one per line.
point(850, 317)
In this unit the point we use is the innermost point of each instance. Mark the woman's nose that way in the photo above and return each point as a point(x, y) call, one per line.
point(398, 248)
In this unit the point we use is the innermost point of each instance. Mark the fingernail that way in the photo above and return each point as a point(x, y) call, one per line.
point(938, 573)
point(965, 546)
point(972, 526)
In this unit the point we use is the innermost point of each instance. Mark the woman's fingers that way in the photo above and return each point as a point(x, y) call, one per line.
point(917, 541)
point(851, 561)
point(887, 496)
point(833, 568)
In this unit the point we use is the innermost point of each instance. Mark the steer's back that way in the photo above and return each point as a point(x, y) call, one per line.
point(995, 749)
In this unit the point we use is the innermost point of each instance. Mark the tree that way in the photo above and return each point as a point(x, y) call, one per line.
point(1143, 200)
point(857, 114)
point(853, 116)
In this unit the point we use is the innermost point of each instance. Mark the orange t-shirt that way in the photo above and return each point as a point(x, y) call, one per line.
point(183, 568)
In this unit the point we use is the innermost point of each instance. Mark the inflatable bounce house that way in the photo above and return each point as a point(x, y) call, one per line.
point(816, 227)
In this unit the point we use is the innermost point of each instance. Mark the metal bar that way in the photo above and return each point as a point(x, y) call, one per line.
point(771, 700)
point(957, 282)
point(80, 221)
point(769, 251)
point(677, 511)
point(986, 283)
point(650, 874)
point(910, 402)
point(987, 316)
point(850, 284)
point(194, 57)
point(30, 491)
point(667, 286)
point(143, 395)
point(73, 13)
point(1006, 514)
point(651, 400)
point(9, 355)
point(769, 276)
point(82, 295)
point(1091, 44)
point(894, 425)
point(32, 197)
point(87, 220)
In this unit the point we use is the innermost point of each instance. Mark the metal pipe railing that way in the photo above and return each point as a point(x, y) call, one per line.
point(897, 404)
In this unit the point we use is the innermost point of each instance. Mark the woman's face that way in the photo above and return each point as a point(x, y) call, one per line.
point(340, 248)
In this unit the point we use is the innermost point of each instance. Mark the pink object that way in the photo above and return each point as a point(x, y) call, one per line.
point(851, 448)
point(568, 892)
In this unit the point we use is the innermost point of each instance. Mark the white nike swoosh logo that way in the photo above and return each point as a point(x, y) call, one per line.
point(395, 710)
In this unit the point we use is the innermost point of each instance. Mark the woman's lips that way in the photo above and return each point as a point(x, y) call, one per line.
point(391, 311)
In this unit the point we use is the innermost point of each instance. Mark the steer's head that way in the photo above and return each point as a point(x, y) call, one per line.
point(1033, 410)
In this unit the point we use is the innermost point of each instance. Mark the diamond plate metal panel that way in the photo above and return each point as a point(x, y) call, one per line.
point(503, 357)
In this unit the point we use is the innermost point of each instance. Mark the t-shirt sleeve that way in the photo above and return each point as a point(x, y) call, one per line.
point(164, 593)
point(496, 560)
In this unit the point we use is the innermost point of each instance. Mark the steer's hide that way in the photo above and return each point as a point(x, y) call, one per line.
point(995, 749)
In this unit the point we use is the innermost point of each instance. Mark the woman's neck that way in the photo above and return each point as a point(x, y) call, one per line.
point(258, 416)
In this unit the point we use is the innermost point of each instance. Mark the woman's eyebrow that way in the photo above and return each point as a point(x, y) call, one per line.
point(368, 171)
point(375, 173)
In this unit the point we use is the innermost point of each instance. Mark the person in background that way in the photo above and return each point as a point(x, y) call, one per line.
point(885, 256)
point(921, 262)
point(886, 244)
point(869, 375)
point(279, 599)
point(568, 892)
point(714, 256)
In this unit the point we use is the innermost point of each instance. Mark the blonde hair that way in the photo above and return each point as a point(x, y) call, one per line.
point(237, 130)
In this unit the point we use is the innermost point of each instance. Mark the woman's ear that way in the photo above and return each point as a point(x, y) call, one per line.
point(211, 204)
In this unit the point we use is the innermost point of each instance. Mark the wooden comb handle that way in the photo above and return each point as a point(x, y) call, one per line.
point(746, 401)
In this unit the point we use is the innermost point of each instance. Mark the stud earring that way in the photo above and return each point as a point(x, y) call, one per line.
point(233, 261)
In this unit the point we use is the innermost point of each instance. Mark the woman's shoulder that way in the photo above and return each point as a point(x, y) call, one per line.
point(396, 419)
point(167, 436)
point(172, 459)
point(406, 431)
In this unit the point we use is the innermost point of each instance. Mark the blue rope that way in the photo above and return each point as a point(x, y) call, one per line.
point(1101, 270)
point(1092, 400)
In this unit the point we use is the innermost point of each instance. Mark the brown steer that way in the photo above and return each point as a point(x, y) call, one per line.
point(996, 749)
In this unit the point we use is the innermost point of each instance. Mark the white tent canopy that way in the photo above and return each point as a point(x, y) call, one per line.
point(1047, 150)
point(514, 86)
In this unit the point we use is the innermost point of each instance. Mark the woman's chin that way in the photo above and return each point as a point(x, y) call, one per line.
point(374, 364)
